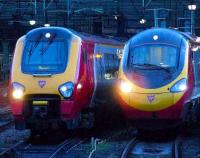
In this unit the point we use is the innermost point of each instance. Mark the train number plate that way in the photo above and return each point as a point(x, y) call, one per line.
point(40, 102)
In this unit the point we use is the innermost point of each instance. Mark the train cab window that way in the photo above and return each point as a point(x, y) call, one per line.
point(45, 56)
point(154, 55)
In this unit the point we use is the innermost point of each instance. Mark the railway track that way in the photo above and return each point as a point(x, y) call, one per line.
point(129, 147)
point(5, 125)
point(6, 120)
point(152, 150)
point(66, 147)
point(8, 152)
point(5, 113)
point(177, 148)
point(24, 150)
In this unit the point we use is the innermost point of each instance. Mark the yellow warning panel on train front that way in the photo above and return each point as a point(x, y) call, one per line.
point(40, 102)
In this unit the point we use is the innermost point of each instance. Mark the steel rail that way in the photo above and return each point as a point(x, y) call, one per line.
point(80, 142)
point(6, 151)
point(62, 146)
point(6, 125)
point(177, 150)
point(129, 147)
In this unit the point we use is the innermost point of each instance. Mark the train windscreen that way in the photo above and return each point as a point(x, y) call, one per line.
point(45, 56)
point(160, 56)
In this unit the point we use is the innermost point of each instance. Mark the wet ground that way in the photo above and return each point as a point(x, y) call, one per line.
point(11, 136)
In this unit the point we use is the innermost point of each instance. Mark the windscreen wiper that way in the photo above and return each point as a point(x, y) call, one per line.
point(160, 67)
point(35, 45)
point(134, 65)
point(43, 50)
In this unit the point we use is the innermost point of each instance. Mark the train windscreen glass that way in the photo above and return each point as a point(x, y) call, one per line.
point(45, 56)
point(163, 56)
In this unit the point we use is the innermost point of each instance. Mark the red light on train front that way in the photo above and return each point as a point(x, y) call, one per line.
point(79, 86)
point(17, 90)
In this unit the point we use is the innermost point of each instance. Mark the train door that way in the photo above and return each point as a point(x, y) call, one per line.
point(196, 69)
point(87, 76)
point(195, 55)
point(88, 55)
point(106, 64)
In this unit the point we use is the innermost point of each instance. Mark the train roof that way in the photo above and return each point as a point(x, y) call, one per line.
point(98, 39)
point(192, 38)
point(84, 36)
point(173, 37)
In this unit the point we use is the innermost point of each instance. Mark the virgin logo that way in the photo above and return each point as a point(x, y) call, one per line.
point(151, 98)
point(41, 83)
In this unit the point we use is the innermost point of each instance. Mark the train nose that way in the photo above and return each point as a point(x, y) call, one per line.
point(151, 101)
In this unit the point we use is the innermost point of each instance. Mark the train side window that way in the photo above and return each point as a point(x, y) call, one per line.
point(85, 56)
point(113, 61)
point(116, 62)
point(109, 62)
point(110, 67)
point(196, 66)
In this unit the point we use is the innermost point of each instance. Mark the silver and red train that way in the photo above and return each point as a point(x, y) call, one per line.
point(159, 78)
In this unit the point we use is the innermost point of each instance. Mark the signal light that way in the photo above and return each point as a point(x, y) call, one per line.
point(32, 22)
point(142, 21)
point(47, 25)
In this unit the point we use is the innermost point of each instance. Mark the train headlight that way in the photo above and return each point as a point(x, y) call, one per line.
point(66, 89)
point(125, 86)
point(179, 86)
point(17, 90)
